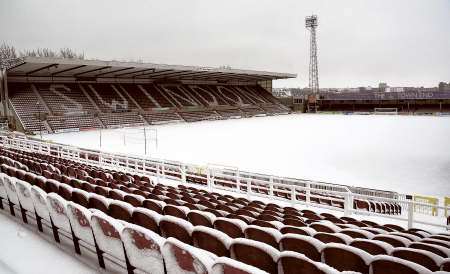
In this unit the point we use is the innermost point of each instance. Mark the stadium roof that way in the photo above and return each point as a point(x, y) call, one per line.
point(82, 69)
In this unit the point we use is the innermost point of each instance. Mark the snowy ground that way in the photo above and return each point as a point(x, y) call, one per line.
point(25, 250)
point(408, 154)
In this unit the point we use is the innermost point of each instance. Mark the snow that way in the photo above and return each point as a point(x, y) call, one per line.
point(202, 260)
point(224, 238)
point(420, 144)
point(143, 248)
point(325, 268)
point(25, 250)
point(420, 269)
point(313, 241)
point(366, 257)
point(274, 253)
point(218, 267)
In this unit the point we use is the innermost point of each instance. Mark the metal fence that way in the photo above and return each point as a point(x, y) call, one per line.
point(216, 177)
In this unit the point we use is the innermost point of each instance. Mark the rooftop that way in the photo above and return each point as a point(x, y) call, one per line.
point(93, 69)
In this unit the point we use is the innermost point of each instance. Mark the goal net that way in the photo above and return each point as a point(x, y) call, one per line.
point(140, 139)
point(386, 111)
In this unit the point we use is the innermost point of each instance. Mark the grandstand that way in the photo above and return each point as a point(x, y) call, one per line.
point(408, 102)
point(167, 217)
point(56, 95)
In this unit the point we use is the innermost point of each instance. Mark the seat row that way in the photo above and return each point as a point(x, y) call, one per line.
point(172, 226)
point(147, 251)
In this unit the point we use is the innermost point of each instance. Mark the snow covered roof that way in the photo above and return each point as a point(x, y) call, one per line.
point(40, 67)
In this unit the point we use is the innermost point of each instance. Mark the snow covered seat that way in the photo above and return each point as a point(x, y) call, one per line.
point(57, 208)
point(23, 190)
point(425, 258)
point(440, 237)
point(80, 197)
point(211, 240)
point(177, 228)
point(383, 264)
point(117, 194)
point(88, 187)
point(143, 249)
point(436, 242)
point(80, 220)
point(357, 233)
point(394, 240)
point(99, 202)
point(223, 265)
point(39, 198)
point(51, 186)
point(10, 188)
point(181, 258)
point(176, 211)
point(197, 217)
point(445, 265)
point(374, 230)
point(372, 247)
point(120, 210)
point(325, 226)
point(293, 262)
point(346, 258)
point(146, 218)
point(154, 205)
point(294, 222)
point(256, 254)
point(266, 235)
point(65, 191)
point(134, 200)
point(246, 219)
point(269, 217)
point(268, 224)
point(107, 237)
point(436, 249)
point(408, 236)
point(361, 205)
point(306, 245)
point(232, 227)
point(307, 231)
point(333, 237)
point(394, 227)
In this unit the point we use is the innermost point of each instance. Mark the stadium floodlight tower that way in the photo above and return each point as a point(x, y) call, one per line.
point(311, 24)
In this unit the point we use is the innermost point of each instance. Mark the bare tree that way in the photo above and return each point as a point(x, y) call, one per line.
point(7, 55)
point(70, 54)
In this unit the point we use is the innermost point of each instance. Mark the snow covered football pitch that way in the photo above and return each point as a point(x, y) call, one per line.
point(408, 154)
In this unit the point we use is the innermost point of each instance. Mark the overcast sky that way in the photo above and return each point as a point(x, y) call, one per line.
point(360, 42)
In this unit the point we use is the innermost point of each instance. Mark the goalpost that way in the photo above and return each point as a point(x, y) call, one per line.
point(386, 111)
point(141, 137)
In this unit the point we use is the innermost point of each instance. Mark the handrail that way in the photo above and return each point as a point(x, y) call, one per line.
point(250, 184)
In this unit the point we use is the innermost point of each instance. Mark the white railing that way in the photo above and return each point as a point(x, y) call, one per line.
point(214, 177)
